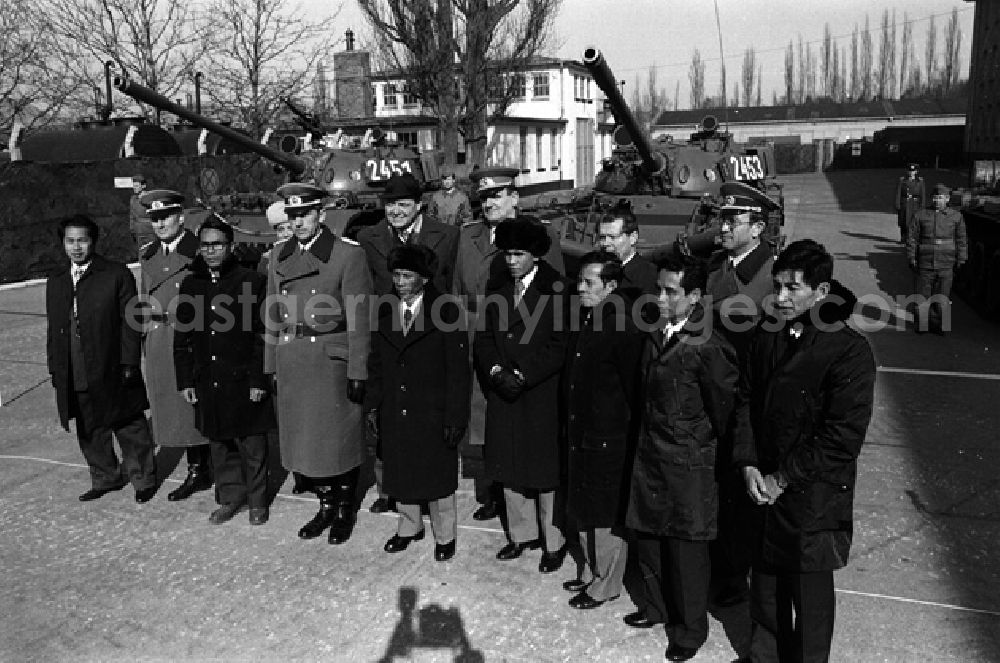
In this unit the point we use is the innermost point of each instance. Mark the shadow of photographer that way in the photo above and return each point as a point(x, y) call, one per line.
point(431, 628)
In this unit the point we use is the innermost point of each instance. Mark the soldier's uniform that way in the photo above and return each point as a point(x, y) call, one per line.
point(936, 246)
point(911, 197)
point(450, 207)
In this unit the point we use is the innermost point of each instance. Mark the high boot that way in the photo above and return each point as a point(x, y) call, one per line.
point(199, 476)
point(301, 484)
point(323, 517)
point(345, 513)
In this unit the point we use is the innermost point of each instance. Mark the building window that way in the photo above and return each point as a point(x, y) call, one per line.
point(524, 150)
point(554, 151)
point(407, 138)
point(518, 85)
point(540, 86)
point(390, 95)
point(539, 135)
point(409, 99)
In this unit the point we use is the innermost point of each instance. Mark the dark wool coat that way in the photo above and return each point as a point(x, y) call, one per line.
point(420, 383)
point(325, 289)
point(689, 391)
point(804, 408)
point(639, 278)
point(110, 335)
point(173, 419)
point(380, 239)
point(522, 438)
point(219, 349)
point(601, 385)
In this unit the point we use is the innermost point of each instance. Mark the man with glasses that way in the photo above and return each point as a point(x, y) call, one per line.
point(317, 351)
point(618, 232)
point(405, 225)
point(219, 360)
point(165, 263)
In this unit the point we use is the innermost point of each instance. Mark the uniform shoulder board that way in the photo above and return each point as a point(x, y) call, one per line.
point(469, 224)
point(348, 240)
point(545, 222)
point(148, 250)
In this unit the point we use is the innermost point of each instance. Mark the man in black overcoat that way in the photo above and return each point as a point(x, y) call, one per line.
point(94, 350)
point(219, 362)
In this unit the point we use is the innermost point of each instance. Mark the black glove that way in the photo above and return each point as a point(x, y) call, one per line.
point(356, 391)
point(131, 375)
point(453, 435)
point(371, 422)
point(507, 384)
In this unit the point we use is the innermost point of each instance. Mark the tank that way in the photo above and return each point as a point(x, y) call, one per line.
point(978, 281)
point(353, 171)
point(672, 185)
point(92, 141)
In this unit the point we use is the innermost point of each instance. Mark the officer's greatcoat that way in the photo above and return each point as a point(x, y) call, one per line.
point(173, 417)
point(317, 339)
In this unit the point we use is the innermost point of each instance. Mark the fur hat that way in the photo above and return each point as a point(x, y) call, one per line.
point(523, 234)
point(415, 258)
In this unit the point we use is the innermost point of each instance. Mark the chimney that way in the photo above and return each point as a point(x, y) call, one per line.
point(352, 82)
point(350, 39)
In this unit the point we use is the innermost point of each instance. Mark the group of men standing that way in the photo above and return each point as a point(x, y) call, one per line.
point(711, 442)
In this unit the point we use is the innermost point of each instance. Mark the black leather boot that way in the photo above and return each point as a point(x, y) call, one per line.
point(199, 476)
point(301, 484)
point(345, 513)
point(323, 517)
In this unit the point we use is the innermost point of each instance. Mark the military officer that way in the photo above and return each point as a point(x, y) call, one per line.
point(317, 348)
point(405, 224)
point(477, 262)
point(166, 262)
point(450, 205)
point(911, 197)
point(936, 246)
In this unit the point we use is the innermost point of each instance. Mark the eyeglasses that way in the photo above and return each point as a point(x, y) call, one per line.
point(213, 246)
point(735, 221)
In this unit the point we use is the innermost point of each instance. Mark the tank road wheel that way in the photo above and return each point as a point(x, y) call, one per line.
point(991, 286)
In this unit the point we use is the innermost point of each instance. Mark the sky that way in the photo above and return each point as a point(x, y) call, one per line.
point(635, 34)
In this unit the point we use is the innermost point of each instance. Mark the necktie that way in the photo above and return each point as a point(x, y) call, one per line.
point(518, 291)
point(77, 274)
point(407, 320)
point(166, 250)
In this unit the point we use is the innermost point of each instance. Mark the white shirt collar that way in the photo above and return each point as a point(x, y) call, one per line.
point(79, 270)
point(172, 245)
point(738, 259)
point(414, 228)
point(308, 245)
point(672, 329)
point(413, 306)
point(529, 277)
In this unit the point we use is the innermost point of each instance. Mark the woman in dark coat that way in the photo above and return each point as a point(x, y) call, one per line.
point(418, 399)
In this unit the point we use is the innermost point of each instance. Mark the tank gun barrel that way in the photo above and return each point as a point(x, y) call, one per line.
point(304, 119)
point(293, 164)
point(593, 59)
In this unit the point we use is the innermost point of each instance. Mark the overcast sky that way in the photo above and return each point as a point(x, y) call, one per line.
point(634, 34)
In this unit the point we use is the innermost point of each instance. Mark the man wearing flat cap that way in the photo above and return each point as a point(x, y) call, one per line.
point(165, 263)
point(405, 225)
point(519, 352)
point(739, 280)
point(936, 246)
point(450, 205)
point(317, 350)
point(911, 197)
point(479, 260)
point(417, 401)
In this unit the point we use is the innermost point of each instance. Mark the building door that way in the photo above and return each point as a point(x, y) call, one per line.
point(585, 163)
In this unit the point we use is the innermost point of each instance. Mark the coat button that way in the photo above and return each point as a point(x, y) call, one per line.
point(509, 335)
point(402, 387)
point(215, 384)
point(284, 292)
point(213, 357)
point(403, 412)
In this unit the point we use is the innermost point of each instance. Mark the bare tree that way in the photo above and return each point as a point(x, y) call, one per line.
point(834, 91)
point(810, 73)
point(884, 49)
point(801, 93)
point(855, 66)
point(156, 42)
point(892, 57)
point(264, 50)
point(696, 77)
point(905, 47)
point(790, 73)
point(677, 94)
point(865, 63)
point(748, 73)
point(760, 83)
point(952, 57)
point(843, 74)
point(930, 52)
point(826, 61)
point(487, 43)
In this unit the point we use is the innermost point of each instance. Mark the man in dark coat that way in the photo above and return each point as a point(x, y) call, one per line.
point(937, 245)
point(165, 262)
point(689, 389)
point(911, 197)
point(618, 232)
point(219, 359)
point(319, 298)
point(93, 349)
point(417, 399)
point(405, 224)
point(600, 385)
point(519, 353)
point(804, 403)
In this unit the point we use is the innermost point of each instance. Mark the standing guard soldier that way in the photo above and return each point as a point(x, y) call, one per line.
point(937, 245)
point(317, 351)
point(450, 205)
point(911, 197)
point(165, 263)
point(219, 360)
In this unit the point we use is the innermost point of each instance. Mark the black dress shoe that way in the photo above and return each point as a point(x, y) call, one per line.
point(224, 513)
point(144, 495)
point(196, 480)
point(514, 550)
point(98, 493)
point(584, 601)
point(259, 515)
point(678, 653)
point(399, 543)
point(639, 619)
point(487, 511)
point(552, 561)
point(575, 585)
point(382, 505)
point(342, 525)
point(444, 551)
